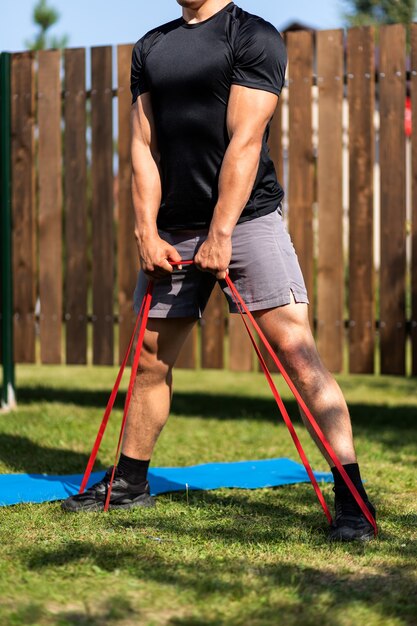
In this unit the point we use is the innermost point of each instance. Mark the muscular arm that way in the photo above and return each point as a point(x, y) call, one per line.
point(248, 113)
point(154, 253)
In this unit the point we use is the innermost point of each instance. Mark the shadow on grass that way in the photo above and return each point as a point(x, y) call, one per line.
point(269, 520)
point(111, 611)
point(326, 598)
point(79, 397)
point(225, 406)
point(381, 423)
point(319, 590)
point(22, 454)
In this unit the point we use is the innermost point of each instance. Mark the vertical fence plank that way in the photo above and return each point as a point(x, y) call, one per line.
point(240, 347)
point(127, 255)
point(23, 205)
point(7, 393)
point(50, 204)
point(330, 263)
point(393, 215)
point(301, 171)
point(413, 81)
point(212, 331)
point(187, 358)
point(75, 185)
point(361, 98)
point(102, 204)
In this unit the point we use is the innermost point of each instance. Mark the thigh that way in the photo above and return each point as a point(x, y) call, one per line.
point(264, 265)
point(163, 340)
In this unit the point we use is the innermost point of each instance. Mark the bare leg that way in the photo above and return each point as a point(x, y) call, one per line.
point(151, 397)
point(288, 330)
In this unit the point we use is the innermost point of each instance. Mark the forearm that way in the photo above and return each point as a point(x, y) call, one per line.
point(155, 254)
point(237, 176)
point(146, 194)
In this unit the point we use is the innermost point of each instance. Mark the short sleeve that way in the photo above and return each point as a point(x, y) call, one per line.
point(260, 57)
point(138, 81)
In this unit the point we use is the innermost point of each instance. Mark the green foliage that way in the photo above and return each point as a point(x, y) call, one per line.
point(45, 16)
point(367, 12)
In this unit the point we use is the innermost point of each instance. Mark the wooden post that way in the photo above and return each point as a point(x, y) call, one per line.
point(7, 395)
point(23, 205)
point(50, 204)
point(240, 347)
point(413, 81)
point(393, 216)
point(75, 185)
point(301, 160)
point(102, 204)
point(212, 331)
point(361, 98)
point(330, 267)
point(187, 358)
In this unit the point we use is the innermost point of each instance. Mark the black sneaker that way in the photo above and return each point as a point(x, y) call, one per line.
point(350, 524)
point(124, 495)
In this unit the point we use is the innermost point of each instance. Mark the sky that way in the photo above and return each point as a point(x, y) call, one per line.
point(107, 22)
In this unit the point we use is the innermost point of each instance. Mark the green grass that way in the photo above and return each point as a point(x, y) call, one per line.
point(219, 558)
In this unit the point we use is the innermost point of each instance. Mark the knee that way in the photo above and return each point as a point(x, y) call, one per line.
point(301, 360)
point(151, 369)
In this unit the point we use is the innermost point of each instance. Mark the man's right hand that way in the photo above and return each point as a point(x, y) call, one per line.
point(155, 255)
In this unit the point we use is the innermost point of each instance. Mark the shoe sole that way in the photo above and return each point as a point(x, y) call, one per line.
point(145, 503)
point(363, 538)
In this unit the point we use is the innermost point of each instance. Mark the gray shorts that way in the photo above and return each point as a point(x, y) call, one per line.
point(264, 267)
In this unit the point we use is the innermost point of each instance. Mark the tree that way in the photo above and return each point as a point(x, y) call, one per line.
point(45, 16)
point(366, 12)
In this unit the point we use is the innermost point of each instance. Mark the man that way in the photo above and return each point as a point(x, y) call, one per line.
point(204, 89)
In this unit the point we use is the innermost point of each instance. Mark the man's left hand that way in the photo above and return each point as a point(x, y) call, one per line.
point(214, 255)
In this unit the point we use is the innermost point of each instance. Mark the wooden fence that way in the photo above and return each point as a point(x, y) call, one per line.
point(74, 254)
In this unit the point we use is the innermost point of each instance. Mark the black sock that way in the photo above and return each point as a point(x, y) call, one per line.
point(134, 469)
point(341, 489)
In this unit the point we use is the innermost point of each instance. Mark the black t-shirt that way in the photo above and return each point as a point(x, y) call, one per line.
point(188, 69)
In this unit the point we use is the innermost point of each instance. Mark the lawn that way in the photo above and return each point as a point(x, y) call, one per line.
point(219, 558)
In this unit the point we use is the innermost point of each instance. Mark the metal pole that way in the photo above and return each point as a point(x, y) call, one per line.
point(8, 398)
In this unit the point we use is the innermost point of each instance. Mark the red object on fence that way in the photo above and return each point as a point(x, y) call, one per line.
point(408, 120)
point(143, 315)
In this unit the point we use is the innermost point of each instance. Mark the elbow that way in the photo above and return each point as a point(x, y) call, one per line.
point(246, 143)
point(145, 158)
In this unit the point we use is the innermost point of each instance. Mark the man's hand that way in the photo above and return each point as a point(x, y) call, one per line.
point(155, 255)
point(214, 255)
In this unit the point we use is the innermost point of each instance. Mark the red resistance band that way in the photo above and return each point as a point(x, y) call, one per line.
point(242, 308)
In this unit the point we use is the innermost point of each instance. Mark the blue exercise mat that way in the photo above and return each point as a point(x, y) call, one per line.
point(17, 488)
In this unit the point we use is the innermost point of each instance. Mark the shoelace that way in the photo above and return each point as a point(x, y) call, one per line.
point(242, 308)
point(104, 482)
point(345, 506)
